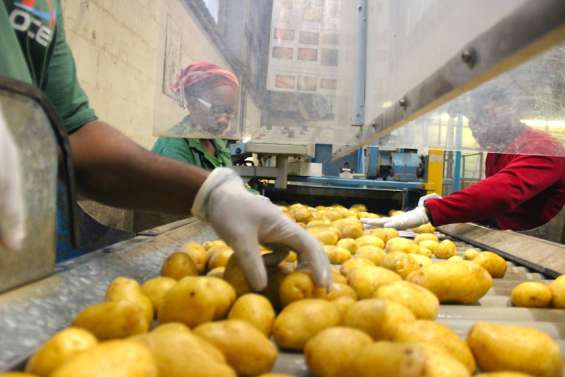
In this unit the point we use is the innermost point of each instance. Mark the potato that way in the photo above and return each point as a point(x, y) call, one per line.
point(354, 263)
point(372, 253)
point(367, 215)
point(446, 249)
point(455, 258)
point(378, 318)
point(336, 254)
point(300, 214)
point(395, 212)
point(421, 260)
point(425, 228)
point(123, 288)
point(296, 286)
point(426, 331)
point(337, 277)
point(336, 291)
point(531, 294)
point(235, 277)
point(275, 375)
point(302, 320)
point(60, 348)
point(406, 360)
point(366, 280)
point(332, 352)
point(421, 302)
point(325, 236)
point(502, 374)
point(113, 319)
point(558, 292)
point(179, 265)
point(401, 263)
point(195, 300)
point(370, 241)
point(471, 254)
point(117, 358)
point(180, 353)
point(246, 348)
point(157, 288)
point(516, 348)
point(211, 244)
point(429, 244)
point(453, 282)
point(343, 304)
point(198, 254)
point(17, 374)
point(385, 234)
point(217, 272)
point(493, 263)
point(349, 227)
point(401, 244)
point(256, 310)
point(319, 223)
point(358, 207)
point(219, 256)
point(425, 237)
point(426, 251)
point(349, 244)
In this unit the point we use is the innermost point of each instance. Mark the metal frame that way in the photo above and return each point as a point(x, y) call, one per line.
point(526, 32)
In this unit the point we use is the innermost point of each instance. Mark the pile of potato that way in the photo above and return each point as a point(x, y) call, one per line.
point(200, 319)
point(539, 295)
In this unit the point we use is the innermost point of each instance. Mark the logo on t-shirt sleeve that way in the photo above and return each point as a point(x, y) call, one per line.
point(31, 17)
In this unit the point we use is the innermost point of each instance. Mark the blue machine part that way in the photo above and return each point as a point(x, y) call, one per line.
point(237, 148)
point(373, 163)
point(405, 165)
point(323, 155)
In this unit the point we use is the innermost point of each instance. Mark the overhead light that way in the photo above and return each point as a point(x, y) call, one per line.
point(387, 104)
point(550, 123)
point(246, 139)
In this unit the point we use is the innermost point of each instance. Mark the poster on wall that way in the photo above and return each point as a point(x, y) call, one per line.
point(171, 58)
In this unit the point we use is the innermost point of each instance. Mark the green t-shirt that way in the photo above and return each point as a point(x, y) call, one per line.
point(35, 51)
point(192, 151)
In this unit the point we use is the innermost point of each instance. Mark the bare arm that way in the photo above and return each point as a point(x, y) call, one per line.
point(112, 169)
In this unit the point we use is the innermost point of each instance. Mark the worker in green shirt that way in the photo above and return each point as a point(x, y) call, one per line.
point(209, 94)
point(112, 169)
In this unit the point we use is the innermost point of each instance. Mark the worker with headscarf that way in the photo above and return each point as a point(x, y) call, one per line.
point(209, 93)
point(524, 189)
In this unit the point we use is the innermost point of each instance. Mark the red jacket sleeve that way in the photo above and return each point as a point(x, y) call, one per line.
point(523, 178)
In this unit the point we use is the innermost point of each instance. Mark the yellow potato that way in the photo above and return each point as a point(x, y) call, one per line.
point(425, 237)
point(454, 282)
point(446, 249)
point(302, 320)
point(425, 228)
point(367, 279)
point(296, 286)
point(300, 214)
point(343, 304)
point(503, 374)
point(325, 236)
point(117, 358)
point(359, 207)
point(337, 277)
point(432, 245)
point(349, 227)
point(426, 331)
point(292, 257)
point(349, 244)
point(401, 244)
point(367, 215)
point(370, 241)
point(421, 302)
point(395, 212)
point(331, 214)
point(401, 263)
point(319, 223)
point(256, 310)
point(198, 254)
point(516, 348)
point(218, 256)
point(211, 244)
point(558, 292)
point(336, 254)
point(246, 348)
point(332, 352)
point(60, 348)
point(531, 294)
point(157, 288)
point(378, 318)
point(493, 263)
point(179, 265)
point(234, 275)
point(471, 254)
point(275, 375)
point(113, 319)
point(407, 360)
point(385, 234)
point(425, 251)
point(372, 253)
point(422, 260)
point(180, 353)
point(17, 374)
point(354, 263)
point(336, 291)
point(195, 300)
point(455, 258)
point(123, 288)
point(217, 272)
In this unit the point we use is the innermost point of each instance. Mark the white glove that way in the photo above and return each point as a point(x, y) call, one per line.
point(12, 209)
point(423, 199)
point(243, 220)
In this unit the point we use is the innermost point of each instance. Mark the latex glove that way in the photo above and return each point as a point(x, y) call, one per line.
point(423, 199)
point(243, 220)
point(408, 220)
point(12, 209)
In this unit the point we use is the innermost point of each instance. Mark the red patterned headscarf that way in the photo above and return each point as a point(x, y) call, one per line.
point(205, 72)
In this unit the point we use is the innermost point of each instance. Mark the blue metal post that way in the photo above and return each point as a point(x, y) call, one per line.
point(458, 146)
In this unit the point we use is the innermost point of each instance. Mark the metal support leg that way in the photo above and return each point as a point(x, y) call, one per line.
point(282, 176)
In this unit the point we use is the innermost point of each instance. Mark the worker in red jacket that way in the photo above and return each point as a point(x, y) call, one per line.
point(524, 189)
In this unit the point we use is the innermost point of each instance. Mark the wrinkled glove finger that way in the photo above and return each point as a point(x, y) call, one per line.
point(251, 262)
point(369, 223)
point(423, 199)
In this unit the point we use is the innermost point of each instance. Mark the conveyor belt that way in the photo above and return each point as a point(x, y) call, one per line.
point(29, 315)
